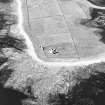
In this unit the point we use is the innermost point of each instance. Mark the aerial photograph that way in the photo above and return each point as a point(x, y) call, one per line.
point(52, 52)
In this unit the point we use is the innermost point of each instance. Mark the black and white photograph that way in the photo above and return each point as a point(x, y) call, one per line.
point(52, 52)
